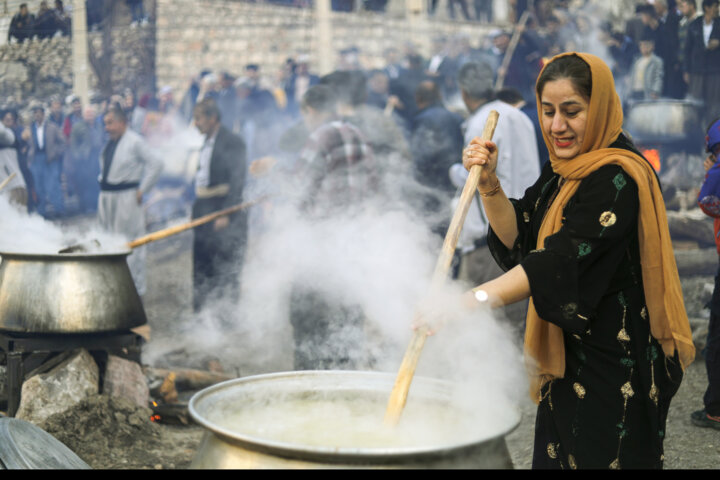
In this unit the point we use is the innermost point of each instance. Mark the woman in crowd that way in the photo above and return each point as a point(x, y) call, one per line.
point(607, 336)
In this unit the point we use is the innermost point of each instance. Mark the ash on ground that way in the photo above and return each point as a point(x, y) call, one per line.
point(113, 433)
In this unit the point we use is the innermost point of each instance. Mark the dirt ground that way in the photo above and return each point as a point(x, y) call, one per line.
point(143, 445)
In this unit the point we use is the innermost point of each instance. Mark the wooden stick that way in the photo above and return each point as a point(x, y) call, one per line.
point(399, 394)
point(511, 49)
point(7, 180)
point(166, 232)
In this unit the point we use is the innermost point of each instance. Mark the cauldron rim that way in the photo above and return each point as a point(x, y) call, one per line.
point(337, 454)
point(62, 256)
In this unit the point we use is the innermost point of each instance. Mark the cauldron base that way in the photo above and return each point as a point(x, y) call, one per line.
point(25, 353)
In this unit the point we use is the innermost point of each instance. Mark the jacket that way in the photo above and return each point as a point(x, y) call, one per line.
point(652, 76)
point(53, 139)
point(697, 59)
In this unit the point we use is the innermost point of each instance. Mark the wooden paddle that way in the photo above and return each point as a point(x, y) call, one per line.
point(399, 394)
point(514, 40)
point(167, 232)
point(7, 180)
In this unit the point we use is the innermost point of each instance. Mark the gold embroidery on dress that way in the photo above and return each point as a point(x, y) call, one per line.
point(552, 453)
point(607, 219)
point(526, 217)
point(654, 392)
point(643, 313)
point(615, 465)
point(627, 390)
point(579, 390)
point(623, 336)
point(571, 461)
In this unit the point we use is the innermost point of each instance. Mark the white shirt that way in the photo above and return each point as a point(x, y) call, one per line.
point(202, 178)
point(707, 30)
point(40, 135)
point(518, 165)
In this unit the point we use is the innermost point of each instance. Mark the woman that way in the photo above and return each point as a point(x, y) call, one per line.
point(607, 335)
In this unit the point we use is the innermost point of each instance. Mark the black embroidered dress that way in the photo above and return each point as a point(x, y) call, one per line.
point(609, 410)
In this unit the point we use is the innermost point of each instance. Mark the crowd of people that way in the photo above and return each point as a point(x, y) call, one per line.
point(48, 22)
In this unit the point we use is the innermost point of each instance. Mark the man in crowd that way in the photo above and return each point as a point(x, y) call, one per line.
point(128, 170)
point(518, 167)
point(57, 114)
point(702, 59)
point(380, 131)
point(86, 142)
point(336, 175)
point(436, 144)
point(219, 246)
point(47, 147)
point(21, 25)
point(10, 174)
point(10, 120)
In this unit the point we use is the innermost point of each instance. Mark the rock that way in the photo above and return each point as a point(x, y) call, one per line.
point(124, 378)
point(698, 261)
point(66, 385)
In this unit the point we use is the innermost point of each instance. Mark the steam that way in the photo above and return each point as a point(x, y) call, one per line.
point(21, 232)
point(379, 256)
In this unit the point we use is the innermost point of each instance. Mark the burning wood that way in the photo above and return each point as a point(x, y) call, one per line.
point(186, 379)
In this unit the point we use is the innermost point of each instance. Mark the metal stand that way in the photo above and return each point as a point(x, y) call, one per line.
point(27, 353)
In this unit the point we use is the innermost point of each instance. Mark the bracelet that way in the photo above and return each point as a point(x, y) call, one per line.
point(492, 191)
point(481, 296)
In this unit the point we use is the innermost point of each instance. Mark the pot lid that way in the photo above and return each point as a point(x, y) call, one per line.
point(23, 446)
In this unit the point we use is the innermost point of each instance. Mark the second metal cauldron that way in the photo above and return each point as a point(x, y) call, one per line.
point(228, 445)
point(72, 293)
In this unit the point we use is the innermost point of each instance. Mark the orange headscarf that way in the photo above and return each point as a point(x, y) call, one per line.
point(544, 345)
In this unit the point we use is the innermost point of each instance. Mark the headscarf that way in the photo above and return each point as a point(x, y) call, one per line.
point(544, 345)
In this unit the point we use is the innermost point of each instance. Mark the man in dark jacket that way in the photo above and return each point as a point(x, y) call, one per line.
point(219, 246)
point(47, 147)
point(702, 59)
point(21, 25)
point(436, 144)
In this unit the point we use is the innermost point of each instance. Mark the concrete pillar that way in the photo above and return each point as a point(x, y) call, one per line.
point(324, 37)
point(80, 52)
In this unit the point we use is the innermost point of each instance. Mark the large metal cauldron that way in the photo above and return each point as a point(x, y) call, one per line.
point(69, 293)
point(227, 445)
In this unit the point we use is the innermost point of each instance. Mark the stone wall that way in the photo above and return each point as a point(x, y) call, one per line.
point(225, 35)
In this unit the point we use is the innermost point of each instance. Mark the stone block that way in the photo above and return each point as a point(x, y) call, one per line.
point(64, 386)
point(124, 378)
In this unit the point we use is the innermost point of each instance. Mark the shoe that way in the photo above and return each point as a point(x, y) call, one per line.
point(702, 419)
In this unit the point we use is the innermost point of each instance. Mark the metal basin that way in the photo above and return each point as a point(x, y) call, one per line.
point(265, 399)
point(70, 293)
point(663, 121)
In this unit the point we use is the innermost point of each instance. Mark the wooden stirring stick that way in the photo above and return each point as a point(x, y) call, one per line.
point(166, 232)
point(399, 394)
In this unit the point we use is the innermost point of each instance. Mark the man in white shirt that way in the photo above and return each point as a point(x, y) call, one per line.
point(518, 165)
point(128, 170)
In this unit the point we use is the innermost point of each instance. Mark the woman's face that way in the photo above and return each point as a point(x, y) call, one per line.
point(564, 117)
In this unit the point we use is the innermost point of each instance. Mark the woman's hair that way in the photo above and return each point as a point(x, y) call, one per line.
point(571, 67)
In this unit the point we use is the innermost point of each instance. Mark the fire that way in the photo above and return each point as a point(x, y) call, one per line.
point(653, 156)
point(155, 418)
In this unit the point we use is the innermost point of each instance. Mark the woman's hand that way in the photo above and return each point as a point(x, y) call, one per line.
point(484, 153)
point(709, 162)
point(441, 308)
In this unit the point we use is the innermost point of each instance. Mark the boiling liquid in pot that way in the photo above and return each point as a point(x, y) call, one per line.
point(356, 422)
